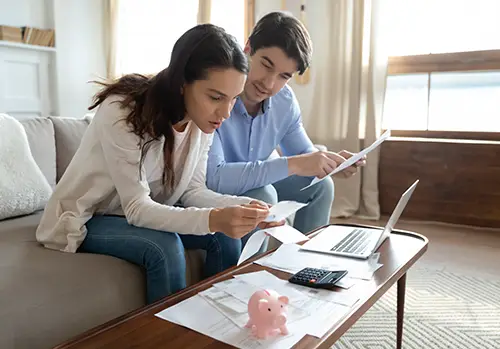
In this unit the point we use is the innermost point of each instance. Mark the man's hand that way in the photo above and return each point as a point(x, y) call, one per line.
point(319, 164)
point(351, 170)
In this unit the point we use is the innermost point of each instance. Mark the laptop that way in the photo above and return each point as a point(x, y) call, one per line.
point(357, 242)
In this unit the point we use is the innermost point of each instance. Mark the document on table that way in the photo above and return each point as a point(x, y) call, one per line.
point(295, 293)
point(285, 233)
point(290, 258)
point(324, 306)
point(353, 159)
point(224, 312)
point(215, 325)
point(229, 306)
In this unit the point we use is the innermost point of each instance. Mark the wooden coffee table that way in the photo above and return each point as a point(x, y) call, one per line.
point(141, 329)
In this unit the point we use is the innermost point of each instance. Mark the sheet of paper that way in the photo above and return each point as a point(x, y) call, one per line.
point(346, 282)
point(326, 315)
point(226, 305)
point(242, 289)
point(290, 258)
point(216, 325)
point(296, 293)
point(252, 246)
point(316, 310)
point(331, 296)
point(283, 210)
point(227, 300)
point(326, 307)
point(353, 159)
point(286, 234)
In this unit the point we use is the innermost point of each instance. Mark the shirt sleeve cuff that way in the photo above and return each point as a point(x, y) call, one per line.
point(278, 169)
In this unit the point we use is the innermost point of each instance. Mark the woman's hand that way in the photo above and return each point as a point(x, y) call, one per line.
point(266, 225)
point(237, 221)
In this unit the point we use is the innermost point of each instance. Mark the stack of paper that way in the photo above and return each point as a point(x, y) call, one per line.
point(290, 258)
point(224, 309)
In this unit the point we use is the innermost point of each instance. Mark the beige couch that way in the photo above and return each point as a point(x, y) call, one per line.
point(47, 297)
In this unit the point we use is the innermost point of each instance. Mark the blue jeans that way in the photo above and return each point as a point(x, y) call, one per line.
point(160, 253)
point(314, 215)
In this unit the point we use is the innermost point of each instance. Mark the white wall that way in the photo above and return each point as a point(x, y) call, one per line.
point(20, 13)
point(80, 53)
point(315, 22)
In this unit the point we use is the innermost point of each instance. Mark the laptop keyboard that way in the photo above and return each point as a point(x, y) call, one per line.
point(355, 242)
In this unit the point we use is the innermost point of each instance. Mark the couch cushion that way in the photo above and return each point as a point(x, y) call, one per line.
point(23, 187)
point(51, 296)
point(68, 134)
point(40, 132)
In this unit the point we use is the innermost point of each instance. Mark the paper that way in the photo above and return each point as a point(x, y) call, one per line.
point(296, 293)
point(346, 282)
point(232, 308)
point(244, 285)
point(285, 233)
point(290, 258)
point(225, 299)
point(353, 159)
point(323, 305)
point(331, 296)
point(283, 210)
point(214, 324)
point(224, 319)
point(326, 315)
point(252, 246)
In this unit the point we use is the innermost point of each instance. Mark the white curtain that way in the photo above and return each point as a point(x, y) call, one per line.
point(204, 11)
point(349, 89)
point(110, 36)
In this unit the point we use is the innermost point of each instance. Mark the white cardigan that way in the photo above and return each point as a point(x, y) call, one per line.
point(103, 177)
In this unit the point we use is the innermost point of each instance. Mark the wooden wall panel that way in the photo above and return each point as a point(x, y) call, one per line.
point(459, 181)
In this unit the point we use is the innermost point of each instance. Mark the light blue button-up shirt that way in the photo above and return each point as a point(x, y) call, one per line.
point(239, 157)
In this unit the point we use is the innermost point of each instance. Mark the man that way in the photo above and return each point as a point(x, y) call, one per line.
point(267, 115)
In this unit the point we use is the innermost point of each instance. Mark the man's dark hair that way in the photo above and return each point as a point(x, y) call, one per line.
point(279, 29)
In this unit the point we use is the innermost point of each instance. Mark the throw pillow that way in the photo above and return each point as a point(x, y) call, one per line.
point(23, 187)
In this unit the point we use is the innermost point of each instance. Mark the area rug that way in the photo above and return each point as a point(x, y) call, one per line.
point(443, 310)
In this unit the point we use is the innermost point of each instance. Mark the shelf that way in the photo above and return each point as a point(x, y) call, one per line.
point(4, 43)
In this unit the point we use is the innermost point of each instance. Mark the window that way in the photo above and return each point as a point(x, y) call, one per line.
point(444, 65)
point(147, 31)
point(230, 15)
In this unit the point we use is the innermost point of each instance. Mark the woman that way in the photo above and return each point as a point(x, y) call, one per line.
point(143, 155)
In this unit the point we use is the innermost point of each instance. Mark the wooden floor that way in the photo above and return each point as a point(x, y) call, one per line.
point(455, 248)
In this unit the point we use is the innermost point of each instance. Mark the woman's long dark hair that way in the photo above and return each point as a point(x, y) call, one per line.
point(156, 103)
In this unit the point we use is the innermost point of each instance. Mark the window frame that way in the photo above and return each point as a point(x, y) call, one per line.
point(471, 61)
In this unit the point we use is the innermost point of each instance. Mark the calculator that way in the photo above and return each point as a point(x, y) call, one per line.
point(317, 278)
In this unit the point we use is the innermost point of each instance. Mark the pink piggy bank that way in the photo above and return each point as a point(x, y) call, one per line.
point(267, 312)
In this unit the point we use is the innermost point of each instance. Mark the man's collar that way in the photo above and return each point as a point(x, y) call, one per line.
point(240, 108)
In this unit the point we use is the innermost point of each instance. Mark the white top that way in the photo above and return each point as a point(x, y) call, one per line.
point(103, 178)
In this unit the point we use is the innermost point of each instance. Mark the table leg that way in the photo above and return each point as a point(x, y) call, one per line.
point(400, 310)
